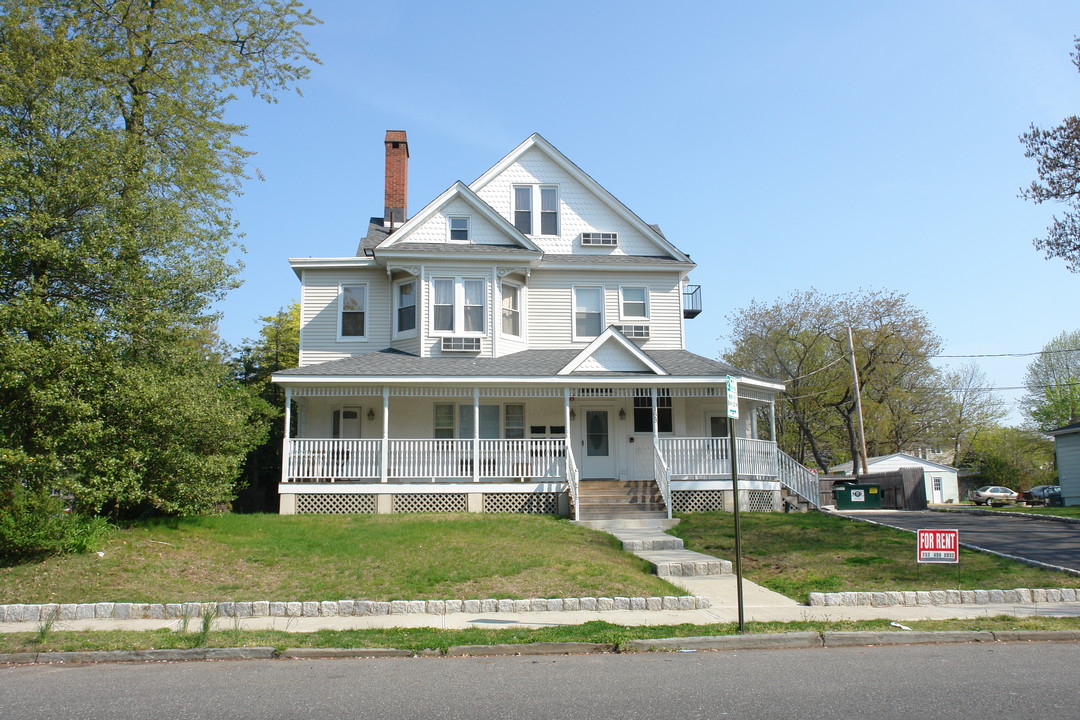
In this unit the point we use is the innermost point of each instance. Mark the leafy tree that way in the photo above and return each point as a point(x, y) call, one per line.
point(116, 168)
point(1053, 383)
point(276, 348)
point(1017, 458)
point(803, 340)
point(1057, 162)
point(970, 407)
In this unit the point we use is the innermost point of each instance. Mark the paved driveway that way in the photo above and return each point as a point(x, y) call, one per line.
point(1054, 543)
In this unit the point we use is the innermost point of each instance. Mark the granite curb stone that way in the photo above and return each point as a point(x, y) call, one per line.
point(728, 642)
point(20, 612)
point(844, 638)
point(1018, 596)
point(540, 648)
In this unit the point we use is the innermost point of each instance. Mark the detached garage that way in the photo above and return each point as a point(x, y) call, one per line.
point(1067, 449)
point(940, 480)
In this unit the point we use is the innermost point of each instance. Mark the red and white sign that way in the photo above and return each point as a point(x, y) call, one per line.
point(939, 546)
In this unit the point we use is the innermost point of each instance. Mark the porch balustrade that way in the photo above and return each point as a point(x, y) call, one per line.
point(356, 460)
point(710, 457)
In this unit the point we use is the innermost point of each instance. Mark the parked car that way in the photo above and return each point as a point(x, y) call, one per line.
point(992, 493)
point(1037, 495)
point(1053, 497)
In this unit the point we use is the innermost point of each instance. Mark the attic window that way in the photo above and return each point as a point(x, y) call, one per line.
point(459, 229)
point(606, 239)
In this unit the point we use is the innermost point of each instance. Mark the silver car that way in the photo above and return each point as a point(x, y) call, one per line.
point(992, 493)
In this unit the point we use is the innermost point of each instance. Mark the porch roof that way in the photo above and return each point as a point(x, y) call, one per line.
point(539, 365)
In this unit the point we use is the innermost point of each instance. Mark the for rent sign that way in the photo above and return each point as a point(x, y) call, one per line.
point(939, 546)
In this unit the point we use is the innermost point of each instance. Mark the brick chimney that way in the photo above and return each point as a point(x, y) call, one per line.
point(395, 210)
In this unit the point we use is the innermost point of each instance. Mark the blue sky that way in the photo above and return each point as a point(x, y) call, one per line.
point(784, 145)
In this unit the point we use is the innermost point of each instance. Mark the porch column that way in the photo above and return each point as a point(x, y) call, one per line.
point(384, 459)
point(566, 418)
point(772, 419)
point(286, 444)
point(476, 434)
point(655, 418)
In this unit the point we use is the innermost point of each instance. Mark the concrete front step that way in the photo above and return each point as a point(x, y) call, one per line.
point(637, 540)
point(684, 563)
point(617, 524)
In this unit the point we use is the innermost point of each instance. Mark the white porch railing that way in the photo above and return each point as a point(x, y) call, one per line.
point(572, 484)
point(333, 459)
point(339, 460)
point(711, 457)
point(663, 476)
point(797, 478)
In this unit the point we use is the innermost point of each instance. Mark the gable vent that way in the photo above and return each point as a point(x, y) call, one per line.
point(606, 239)
point(461, 344)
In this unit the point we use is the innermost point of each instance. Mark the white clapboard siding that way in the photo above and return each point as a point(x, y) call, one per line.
point(580, 210)
point(551, 305)
point(319, 314)
point(1068, 462)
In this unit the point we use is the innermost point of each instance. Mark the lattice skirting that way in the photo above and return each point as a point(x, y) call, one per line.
point(313, 504)
point(708, 500)
point(430, 502)
point(538, 503)
point(697, 500)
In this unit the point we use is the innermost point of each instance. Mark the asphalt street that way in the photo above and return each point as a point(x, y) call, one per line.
point(1054, 543)
point(977, 680)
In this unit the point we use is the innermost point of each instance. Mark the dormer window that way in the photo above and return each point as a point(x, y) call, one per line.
point(459, 229)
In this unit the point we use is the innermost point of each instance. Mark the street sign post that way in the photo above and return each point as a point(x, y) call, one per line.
point(938, 546)
point(733, 415)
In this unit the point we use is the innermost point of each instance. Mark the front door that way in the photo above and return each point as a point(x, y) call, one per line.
point(597, 452)
point(938, 490)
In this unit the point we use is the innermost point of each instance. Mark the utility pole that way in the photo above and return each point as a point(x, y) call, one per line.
point(858, 405)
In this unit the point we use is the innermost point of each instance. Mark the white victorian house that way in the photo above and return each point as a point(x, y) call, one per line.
point(516, 346)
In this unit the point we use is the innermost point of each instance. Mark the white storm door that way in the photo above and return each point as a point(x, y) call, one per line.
point(939, 493)
point(597, 450)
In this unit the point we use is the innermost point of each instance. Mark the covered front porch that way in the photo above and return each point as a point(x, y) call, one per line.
point(412, 446)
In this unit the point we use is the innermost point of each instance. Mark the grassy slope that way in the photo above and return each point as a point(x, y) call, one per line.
point(331, 557)
point(802, 553)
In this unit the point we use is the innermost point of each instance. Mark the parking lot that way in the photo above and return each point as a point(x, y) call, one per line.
point(1045, 541)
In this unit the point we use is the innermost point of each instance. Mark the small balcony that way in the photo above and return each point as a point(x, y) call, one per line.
point(691, 301)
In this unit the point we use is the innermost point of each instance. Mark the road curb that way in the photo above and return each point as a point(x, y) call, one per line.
point(848, 638)
point(541, 648)
point(1007, 513)
point(762, 641)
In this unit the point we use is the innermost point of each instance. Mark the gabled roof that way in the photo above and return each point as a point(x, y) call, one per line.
point(630, 352)
point(536, 141)
point(1067, 430)
point(457, 191)
point(846, 467)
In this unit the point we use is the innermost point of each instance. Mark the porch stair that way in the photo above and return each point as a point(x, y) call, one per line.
point(667, 555)
point(624, 500)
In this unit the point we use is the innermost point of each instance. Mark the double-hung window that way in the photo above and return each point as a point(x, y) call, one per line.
point(352, 321)
point(448, 420)
point(459, 229)
point(524, 202)
point(588, 312)
point(523, 208)
point(643, 412)
point(459, 306)
point(511, 310)
point(634, 303)
point(405, 307)
point(444, 420)
point(549, 211)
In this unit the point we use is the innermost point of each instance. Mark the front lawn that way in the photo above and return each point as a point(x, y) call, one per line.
point(798, 554)
point(339, 557)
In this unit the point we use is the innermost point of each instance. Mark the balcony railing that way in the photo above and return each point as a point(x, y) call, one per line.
point(691, 298)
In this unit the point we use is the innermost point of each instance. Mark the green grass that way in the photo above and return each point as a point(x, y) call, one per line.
point(798, 554)
point(332, 557)
point(417, 639)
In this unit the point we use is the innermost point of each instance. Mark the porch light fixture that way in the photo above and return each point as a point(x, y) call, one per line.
point(370, 415)
point(573, 415)
point(622, 413)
